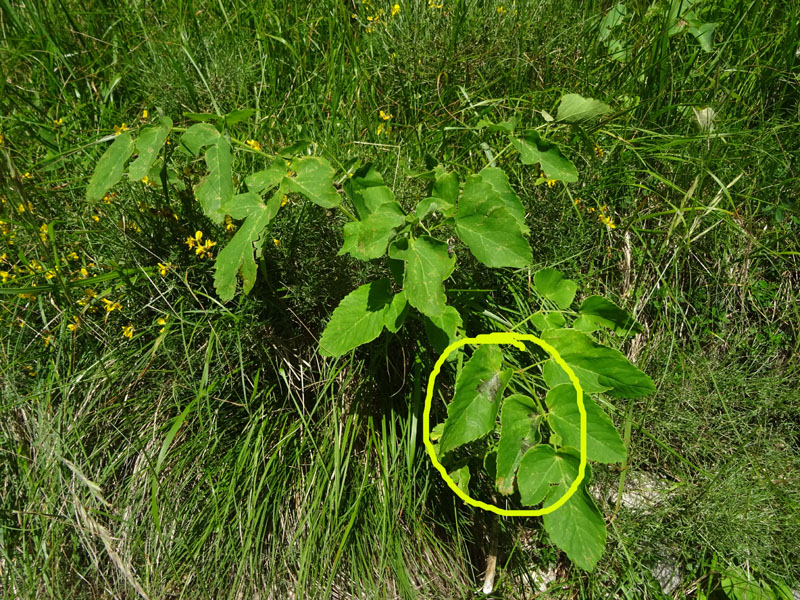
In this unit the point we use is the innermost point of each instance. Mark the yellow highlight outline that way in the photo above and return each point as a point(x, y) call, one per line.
point(514, 339)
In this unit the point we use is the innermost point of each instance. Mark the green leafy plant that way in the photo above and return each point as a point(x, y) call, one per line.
point(486, 214)
point(531, 452)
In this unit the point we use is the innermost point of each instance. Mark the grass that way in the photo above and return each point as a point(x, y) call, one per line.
point(217, 455)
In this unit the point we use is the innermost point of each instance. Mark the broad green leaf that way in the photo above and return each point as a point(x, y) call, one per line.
point(203, 117)
point(110, 166)
point(198, 136)
point(314, 179)
point(368, 237)
point(604, 312)
point(431, 205)
point(238, 254)
point(428, 264)
point(538, 468)
point(490, 231)
point(238, 115)
point(577, 527)
point(461, 478)
point(519, 430)
point(150, 141)
point(534, 149)
point(476, 400)
point(574, 108)
point(554, 375)
point(739, 585)
point(268, 178)
point(436, 432)
point(548, 320)
point(396, 312)
point(552, 285)
point(363, 178)
point(498, 179)
point(358, 319)
point(441, 330)
point(444, 195)
point(216, 189)
point(609, 366)
point(613, 18)
point(603, 443)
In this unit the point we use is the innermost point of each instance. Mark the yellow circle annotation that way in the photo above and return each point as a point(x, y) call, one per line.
point(514, 339)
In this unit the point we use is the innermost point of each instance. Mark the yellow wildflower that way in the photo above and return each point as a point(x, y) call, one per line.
point(49, 274)
point(203, 249)
point(285, 199)
point(111, 306)
point(145, 180)
point(598, 150)
point(1, 138)
point(194, 241)
point(253, 144)
point(277, 242)
point(395, 9)
point(20, 208)
point(119, 129)
point(74, 326)
point(551, 182)
point(47, 339)
point(58, 123)
point(145, 114)
point(386, 116)
point(229, 224)
point(95, 218)
point(43, 232)
point(27, 175)
point(163, 322)
point(127, 331)
point(29, 371)
point(164, 269)
point(90, 293)
point(5, 276)
point(72, 256)
point(501, 10)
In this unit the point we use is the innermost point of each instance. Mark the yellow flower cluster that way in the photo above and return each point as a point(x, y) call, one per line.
point(120, 128)
point(127, 331)
point(200, 248)
point(253, 144)
point(602, 214)
point(384, 126)
point(111, 305)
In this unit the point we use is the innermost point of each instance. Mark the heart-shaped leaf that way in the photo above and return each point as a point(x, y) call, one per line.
point(552, 285)
point(574, 108)
point(534, 149)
